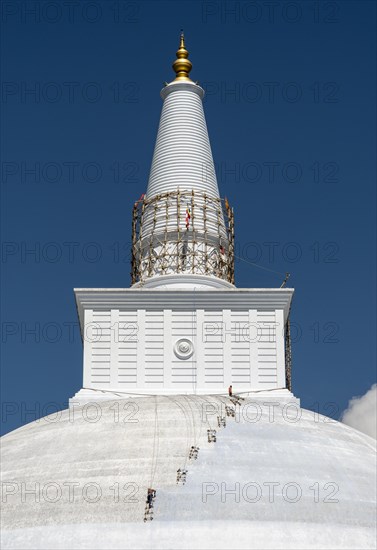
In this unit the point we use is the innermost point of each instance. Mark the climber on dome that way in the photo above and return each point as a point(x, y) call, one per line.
point(150, 496)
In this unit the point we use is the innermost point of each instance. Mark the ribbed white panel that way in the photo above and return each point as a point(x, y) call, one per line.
point(182, 157)
point(100, 337)
point(267, 355)
point(127, 336)
point(154, 348)
point(214, 348)
point(240, 349)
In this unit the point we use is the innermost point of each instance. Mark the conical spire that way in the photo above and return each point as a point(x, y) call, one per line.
point(182, 156)
point(179, 226)
point(182, 65)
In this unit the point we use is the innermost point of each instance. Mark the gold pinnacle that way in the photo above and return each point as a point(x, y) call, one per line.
point(182, 66)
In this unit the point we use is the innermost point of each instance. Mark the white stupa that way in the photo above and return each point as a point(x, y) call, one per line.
point(252, 470)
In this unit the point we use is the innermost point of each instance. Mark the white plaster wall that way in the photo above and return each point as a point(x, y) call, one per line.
point(72, 448)
point(133, 351)
point(182, 157)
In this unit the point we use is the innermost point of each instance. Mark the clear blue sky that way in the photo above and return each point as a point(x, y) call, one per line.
point(291, 116)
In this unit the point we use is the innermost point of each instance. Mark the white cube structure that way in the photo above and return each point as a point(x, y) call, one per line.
point(174, 341)
point(183, 327)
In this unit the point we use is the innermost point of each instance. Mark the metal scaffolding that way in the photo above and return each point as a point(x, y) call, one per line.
point(182, 232)
point(288, 355)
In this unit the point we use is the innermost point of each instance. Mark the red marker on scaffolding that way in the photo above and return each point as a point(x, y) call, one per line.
point(188, 217)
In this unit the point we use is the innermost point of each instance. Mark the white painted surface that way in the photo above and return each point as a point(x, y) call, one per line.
point(271, 449)
point(183, 281)
point(129, 299)
point(133, 351)
point(235, 336)
point(182, 157)
point(182, 162)
point(194, 535)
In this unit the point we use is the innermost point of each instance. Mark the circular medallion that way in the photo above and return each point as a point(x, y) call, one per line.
point(183, 348)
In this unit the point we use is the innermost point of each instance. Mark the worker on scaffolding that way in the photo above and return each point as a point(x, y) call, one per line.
point(150, 496)
point(230, 391)
point(222, 261)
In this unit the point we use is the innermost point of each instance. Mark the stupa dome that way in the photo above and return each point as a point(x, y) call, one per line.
point(153, 434)
point(277, 476)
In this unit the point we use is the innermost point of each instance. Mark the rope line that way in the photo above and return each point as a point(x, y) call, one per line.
point(188, 428)
point(260, 266)
point(204, 400)
point(193, 418)
point(155, 439)
point(115, 392)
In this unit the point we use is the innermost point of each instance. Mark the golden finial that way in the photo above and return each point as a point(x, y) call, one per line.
point(182, 66)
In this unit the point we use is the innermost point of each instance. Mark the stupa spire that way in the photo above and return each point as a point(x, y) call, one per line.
point(182, 229)
point(182, 65)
